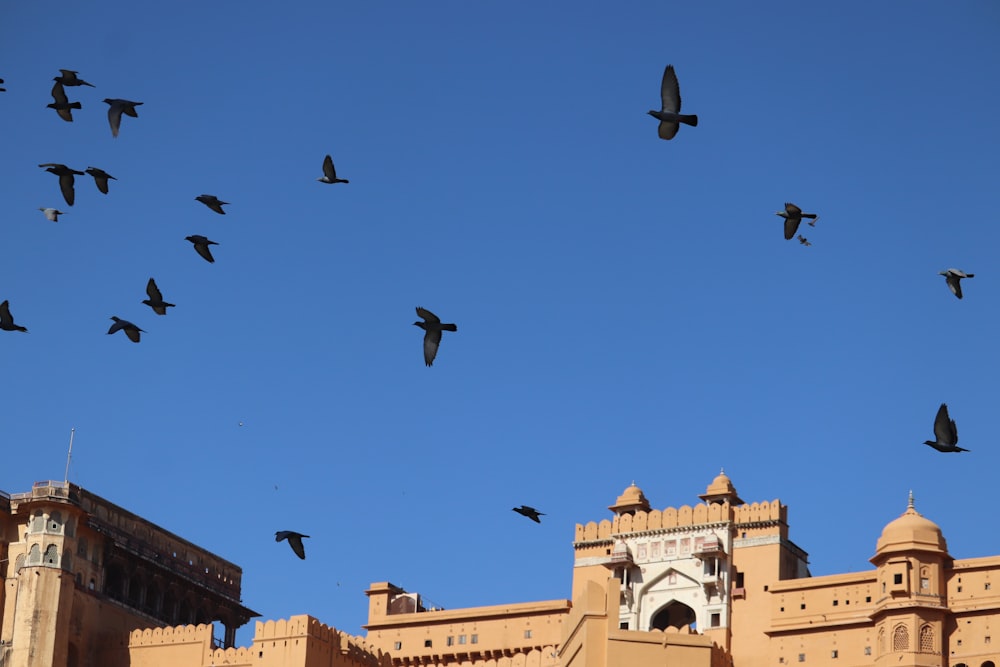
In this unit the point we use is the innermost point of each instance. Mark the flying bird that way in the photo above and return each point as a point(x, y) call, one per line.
point(945, 432)
point(212, 202)
point(62, 105)
point(294, 541)
point(52, 213)
point(803, 240)
point(530, 512)
point(65, 175)
point(954, 277)
point(70, 78)
point(2, 90)
point(7, 320)
point(155, 300)
point(329, 173)
point(201, 245)
point(432, 327)
point(793, 217)
point(131, 330)
point(100, 178)
point(115, 111)
point(669, 114)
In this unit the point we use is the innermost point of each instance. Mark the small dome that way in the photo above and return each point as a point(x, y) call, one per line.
point(911, 531)
point(721, 484)
point(721, 489)
point(631, 499)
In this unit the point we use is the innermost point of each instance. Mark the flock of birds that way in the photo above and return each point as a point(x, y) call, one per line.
point(670, 119)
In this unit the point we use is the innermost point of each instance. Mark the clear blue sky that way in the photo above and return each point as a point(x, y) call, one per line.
point(627, 307)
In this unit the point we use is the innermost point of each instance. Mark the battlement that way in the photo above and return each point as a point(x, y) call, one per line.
point(178, 634)
point(682, 517)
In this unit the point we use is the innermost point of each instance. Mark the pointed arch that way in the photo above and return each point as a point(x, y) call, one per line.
point(927, 639)
point(900, 638)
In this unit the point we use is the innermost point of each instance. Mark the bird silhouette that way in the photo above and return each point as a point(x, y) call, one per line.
point(70, 78)
point(329, 173)
point(7, 320)
point(670, 106)
point(52, 213)
point(66, 179)
point(116, 109)
point(155, 300)
point(803, 240)
point(432, 327)
point(294, 541)
point(131, 330)
point(201, 245)
point(530, 512)
point(954, 277)
point(2, 90)
point(793, 217)
point(62, 105)
point(100, 178)
point(945, 432)
point(212, 202)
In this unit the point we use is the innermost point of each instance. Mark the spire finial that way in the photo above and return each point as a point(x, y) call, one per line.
point(909, 503)
point(722, 471)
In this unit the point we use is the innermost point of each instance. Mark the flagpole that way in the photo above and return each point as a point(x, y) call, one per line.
point(69, 454)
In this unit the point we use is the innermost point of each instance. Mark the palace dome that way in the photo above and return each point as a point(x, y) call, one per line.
point(911, 531)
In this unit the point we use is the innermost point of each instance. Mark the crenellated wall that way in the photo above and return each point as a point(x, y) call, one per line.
point(685, 516)
point(299, 641)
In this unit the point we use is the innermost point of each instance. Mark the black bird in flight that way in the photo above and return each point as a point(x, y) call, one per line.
point(954, 277)
point(116, 109)
point(2, 90)
point(294, 541)
point(7, 320)
point(155, 300)
point(100, 178)
point(669, 114)
point(793, 217)
point(432, 327)
point(804, 241)
point(212, 202)
point(62, 105)
point(66, 180)
point(329, 173)
point(131, 330)
point(945, 432)
point(201, 245)
point(70, 78)
point(530, 512)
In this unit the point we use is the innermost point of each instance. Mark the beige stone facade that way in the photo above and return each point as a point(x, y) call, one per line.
point(80, 573)
point(717, 583)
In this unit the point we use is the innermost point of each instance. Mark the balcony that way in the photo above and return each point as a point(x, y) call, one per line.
point(710, 548)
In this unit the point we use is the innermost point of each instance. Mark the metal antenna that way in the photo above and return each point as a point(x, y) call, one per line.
point(69, 454)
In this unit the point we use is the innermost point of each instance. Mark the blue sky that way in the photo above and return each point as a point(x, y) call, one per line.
point(627, 307)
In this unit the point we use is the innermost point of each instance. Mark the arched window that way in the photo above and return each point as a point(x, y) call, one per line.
point(988, 663)
point(927, 639)
point(18, 563)
point(673, 615)
point(881, 641)
point(67, 560)
point(52, 555)
point(81, 547)
point(900, 638)
point(35, 555)
point(37, 522)
point(54, 524)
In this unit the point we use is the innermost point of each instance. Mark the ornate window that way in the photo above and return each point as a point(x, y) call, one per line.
point(35, 555)
point(37, 522)
point(900, 638)
point(55, 523)
point(52, 555)
point(927, 639)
